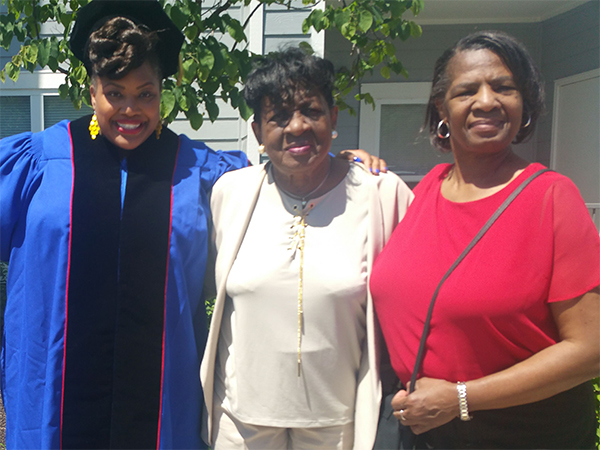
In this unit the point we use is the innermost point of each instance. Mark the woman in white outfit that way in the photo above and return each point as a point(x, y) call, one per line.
point(291, 359)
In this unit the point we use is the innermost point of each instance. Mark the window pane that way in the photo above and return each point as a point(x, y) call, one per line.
point(406, 151)
point(57, 109)
point(15, 115)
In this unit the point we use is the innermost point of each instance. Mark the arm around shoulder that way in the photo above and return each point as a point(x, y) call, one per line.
point(213, 163)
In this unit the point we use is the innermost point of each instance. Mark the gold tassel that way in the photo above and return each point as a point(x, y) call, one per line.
point(297, 243)
point(94, 127)
point(158, 129)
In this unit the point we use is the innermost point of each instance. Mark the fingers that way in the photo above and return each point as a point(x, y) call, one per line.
point(372, 163)
point(400, 415)
point(403, 415)
point(380, 164)
point(431, 405)
point(418, 426)
point(398, 400)
point(398, 405)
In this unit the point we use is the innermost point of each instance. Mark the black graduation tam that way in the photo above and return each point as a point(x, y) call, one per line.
point(148, 12)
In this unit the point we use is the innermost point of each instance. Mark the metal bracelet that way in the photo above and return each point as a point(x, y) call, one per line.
point(462, 401)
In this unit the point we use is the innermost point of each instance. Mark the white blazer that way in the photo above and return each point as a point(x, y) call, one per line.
point(233, 200)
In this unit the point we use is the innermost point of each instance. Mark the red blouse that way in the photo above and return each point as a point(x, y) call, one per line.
point(492, 311)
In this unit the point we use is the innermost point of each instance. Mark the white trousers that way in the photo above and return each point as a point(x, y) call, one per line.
point(230, 434)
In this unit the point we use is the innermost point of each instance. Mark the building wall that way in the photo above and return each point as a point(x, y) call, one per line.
point(563, 45)
point(570, 45)
point(283, 26)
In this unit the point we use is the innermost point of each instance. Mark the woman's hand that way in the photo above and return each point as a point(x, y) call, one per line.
point(372, 163)
point(432, 404)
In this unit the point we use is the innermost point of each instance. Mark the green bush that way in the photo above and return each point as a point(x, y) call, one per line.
point(209, 304)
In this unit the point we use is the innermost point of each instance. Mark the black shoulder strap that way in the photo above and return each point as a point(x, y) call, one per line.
point(476, 239)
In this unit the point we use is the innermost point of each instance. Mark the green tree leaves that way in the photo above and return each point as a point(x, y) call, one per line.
point(371, 26)
point(210, 70)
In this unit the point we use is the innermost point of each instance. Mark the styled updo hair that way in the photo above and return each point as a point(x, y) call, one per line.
point(279, 75)
point(120, 46)
point(518, 60)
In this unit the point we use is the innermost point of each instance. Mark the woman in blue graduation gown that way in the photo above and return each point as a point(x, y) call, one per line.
point(104, 222)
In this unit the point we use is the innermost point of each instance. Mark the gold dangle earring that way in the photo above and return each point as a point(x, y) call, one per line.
point(158, 129)
point(94, 127)
point(261, 149)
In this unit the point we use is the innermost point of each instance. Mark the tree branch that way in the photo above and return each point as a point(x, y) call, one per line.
point(247, 21)
point(250, 16)
point(224, 7)
point(37, 26)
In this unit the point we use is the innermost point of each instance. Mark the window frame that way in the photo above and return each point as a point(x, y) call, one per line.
point(558, 111)
point(408, 93)
point(36, 86)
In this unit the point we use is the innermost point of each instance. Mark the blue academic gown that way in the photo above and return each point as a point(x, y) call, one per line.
point(85, 392)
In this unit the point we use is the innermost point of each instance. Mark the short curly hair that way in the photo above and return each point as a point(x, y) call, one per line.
point(279, 75)
point(120, 46)
point(518, 60)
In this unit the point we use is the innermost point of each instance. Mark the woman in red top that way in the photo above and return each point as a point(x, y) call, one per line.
point(515, 329)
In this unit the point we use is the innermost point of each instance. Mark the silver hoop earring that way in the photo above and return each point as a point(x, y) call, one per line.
point(334, 134)
point(261, 149)
point(527, 122)
point(439, 130)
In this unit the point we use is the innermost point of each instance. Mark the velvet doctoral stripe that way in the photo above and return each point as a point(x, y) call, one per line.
point(116, 292)
point(92, 292)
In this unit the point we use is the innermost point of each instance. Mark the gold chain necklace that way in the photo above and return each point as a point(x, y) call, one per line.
point(298, 244)
point(298, 240)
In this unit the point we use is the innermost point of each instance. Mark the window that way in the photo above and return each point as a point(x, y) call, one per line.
point(15, 115)
point(392, 129)
point(57, 109)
